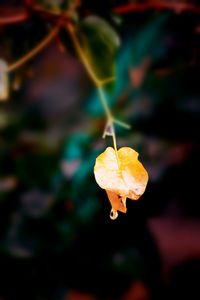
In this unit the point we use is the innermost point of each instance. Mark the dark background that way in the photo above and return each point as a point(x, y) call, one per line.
point(56, 238)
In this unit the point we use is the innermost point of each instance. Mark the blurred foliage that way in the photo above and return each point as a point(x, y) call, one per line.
point(99, 42)
point(55, 231)
point(54, 5)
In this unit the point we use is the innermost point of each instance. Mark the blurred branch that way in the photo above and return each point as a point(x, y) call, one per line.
point(52, 34)
point(99, 85)
point(82, 56)
point(8, 16)
point(178, 7)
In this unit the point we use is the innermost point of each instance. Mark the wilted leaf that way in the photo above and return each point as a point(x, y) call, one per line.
point(121, 175)
point(99, 42)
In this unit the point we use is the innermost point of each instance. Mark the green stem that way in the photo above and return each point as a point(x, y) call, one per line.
point(115, 146)
point(81, 54)
point(98, 83)
point(122, 124)
point(102, 97)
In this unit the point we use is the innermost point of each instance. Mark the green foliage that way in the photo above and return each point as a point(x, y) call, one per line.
point(143, 45)
point(100, 43)
point(75, 146)
point(136, 48)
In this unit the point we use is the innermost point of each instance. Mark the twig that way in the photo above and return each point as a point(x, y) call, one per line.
point(99, 85)
point(122, 124)
point(81, 54)
point(52, 34)
point(13, 19)
point(178, 7)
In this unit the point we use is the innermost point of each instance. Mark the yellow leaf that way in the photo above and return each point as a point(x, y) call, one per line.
point(121, 175)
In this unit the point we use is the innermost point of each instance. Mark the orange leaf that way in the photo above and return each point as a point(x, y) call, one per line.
point(121, 175)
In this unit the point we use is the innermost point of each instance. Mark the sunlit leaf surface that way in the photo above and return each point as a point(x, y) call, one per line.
point(121, 175)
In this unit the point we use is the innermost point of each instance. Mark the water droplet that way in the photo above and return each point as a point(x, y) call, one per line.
point(113, 214)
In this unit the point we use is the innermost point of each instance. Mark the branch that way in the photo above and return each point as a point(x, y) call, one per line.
point(178, 7)
point(52, 34)
point(99, 86)
point(8, 16)
point(98, 83)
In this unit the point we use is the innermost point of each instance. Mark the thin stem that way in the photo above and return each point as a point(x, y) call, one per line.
point(107, 80)
point(122, 124)
point(178, 7)
point(52, 34)
point(96, 81)
point(99, 85)
point(81, 54)
point(19, 17)
point(105, 104)
point(115, 146)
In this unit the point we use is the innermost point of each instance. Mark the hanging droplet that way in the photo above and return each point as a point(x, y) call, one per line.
point(3, 81)
point(113, 214)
